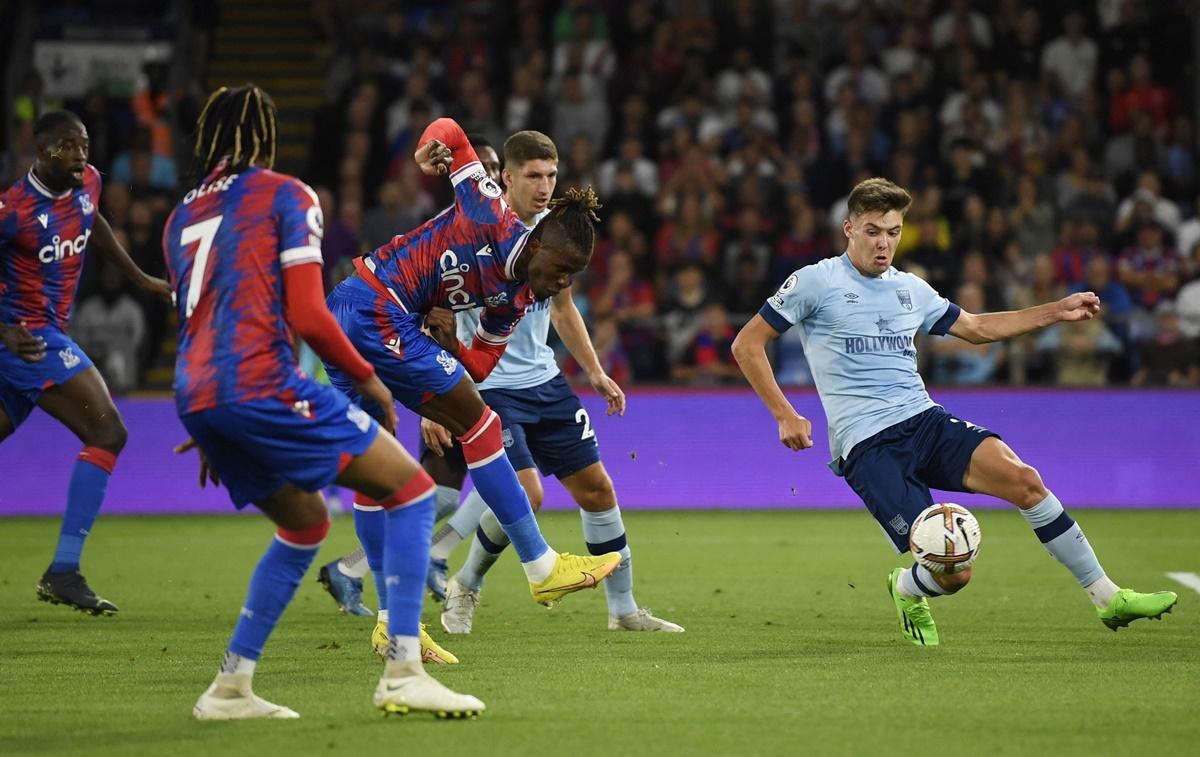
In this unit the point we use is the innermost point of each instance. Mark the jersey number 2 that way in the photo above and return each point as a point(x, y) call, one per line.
point(203, 232)
point(581, 416)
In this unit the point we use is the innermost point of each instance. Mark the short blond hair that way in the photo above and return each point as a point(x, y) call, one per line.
point(878, 195)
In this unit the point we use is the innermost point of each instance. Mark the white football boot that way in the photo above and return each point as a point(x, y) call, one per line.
point(642, 620)
point(459, 610)
point(230, 698)
point(411, 689)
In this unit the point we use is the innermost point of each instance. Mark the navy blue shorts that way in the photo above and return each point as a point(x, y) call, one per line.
point(547, 426)
point(893, 471)
point(22, 383)
point(408, 362)
point(258, 446)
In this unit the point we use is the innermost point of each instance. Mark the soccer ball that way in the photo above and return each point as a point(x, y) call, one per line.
point(945, 538)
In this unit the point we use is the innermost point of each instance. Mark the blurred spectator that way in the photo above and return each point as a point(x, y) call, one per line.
point(1149, 267)
point(614, 361)
point(958, 362)
point(1115, 300)
point(1155, 207)
point(151, 105)
point(578, 112)
point(630, 158)
point(110, 327)
point(152, 169)
point(682, 305)
point(1080, 352)
point(1071, 58)
point(1143, 95)
point(400, 210)
point(1032, 217)
point(1170, 357)
point(688, 237)
point(1187, 304)
point(708, 359)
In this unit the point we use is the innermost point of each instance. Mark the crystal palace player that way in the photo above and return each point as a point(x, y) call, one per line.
point(243, 251)
point(475, 254)
point(47, 220)
point(858, 316)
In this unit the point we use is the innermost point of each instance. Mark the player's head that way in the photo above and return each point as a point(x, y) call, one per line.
point(876, 217)
point(62, 149)
point(560, 246)
point(530, 172)
point(486, 154)
point(237, 123)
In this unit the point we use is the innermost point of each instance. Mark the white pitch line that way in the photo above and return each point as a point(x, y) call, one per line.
point(1190, 580)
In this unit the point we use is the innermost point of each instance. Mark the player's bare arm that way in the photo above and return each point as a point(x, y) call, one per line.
point(106, 242)
point(750, 351)
point(571, 329)
point(21, 342)
point(996, 327)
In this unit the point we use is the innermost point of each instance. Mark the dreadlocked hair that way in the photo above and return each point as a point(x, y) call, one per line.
point(237, 123)
point(572, 220)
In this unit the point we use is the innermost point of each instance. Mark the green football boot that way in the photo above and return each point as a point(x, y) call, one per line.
point(915, 621)
point(1128, 605)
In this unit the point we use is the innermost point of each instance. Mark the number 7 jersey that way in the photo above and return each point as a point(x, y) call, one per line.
point(226, 246)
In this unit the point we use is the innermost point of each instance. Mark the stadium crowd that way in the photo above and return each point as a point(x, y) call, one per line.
point(1048, 148)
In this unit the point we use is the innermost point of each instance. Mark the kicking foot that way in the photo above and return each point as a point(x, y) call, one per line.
point(915, 621)
point(573, 573)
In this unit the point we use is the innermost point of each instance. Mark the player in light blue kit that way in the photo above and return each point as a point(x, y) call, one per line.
point(858, 317)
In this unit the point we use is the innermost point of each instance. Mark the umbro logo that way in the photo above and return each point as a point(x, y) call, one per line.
point(851, 298)
point(45, 219)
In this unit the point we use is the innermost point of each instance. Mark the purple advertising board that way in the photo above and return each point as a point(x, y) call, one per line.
point(705, 449)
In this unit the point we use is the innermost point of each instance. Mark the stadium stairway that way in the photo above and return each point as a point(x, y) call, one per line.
point(274, 43)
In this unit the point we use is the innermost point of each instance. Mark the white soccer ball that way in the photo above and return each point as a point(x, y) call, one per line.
point(945, 538)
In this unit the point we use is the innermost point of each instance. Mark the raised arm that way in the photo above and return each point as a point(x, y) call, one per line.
point(750, 351)
point(106, 242)
point(571, 329)
point(996, 327)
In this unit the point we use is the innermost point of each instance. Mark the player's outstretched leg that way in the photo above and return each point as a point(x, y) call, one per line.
point(83, 405)
point(551, 575)
point(995, 469)
point(343, 580)
point(303, 524)
point(604, 532)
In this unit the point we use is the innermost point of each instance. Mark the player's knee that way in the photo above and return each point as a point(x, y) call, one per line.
point(953, 582)
point(110, 435)
point(596, 494)
point(1028, 485)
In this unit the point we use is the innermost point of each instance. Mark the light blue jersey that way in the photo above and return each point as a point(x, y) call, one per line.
point(858, 335)
point(527, 361)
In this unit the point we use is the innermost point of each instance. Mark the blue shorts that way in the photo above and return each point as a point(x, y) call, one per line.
point(259, 445)
point(547, 426)
point(893, 471)
point(22, 383)
point(408, 362)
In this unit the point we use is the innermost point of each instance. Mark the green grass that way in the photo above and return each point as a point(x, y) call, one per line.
point(791, 647)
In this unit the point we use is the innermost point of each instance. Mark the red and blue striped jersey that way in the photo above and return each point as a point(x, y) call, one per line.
point(226, 244)
point(462, 258)
point(42, 239)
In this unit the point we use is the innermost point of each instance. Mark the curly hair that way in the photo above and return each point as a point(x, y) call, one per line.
point(572, 221)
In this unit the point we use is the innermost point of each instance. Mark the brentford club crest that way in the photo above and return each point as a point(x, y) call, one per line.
point(905, 298)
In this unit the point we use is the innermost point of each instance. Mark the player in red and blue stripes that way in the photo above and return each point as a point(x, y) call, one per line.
point(399, 312)
point(47, 220)
point(243, 249)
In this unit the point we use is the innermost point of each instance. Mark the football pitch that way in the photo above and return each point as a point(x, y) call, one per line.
point(791, 647)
